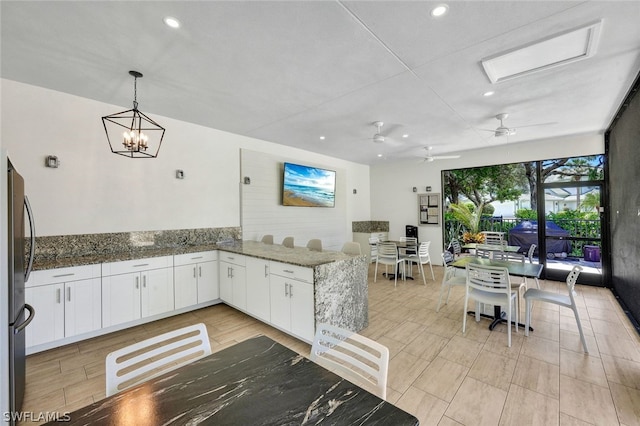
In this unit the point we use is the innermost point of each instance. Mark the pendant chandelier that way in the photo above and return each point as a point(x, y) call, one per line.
point(131, 133)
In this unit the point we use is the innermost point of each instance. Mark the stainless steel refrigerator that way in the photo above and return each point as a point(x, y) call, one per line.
point(20, 313)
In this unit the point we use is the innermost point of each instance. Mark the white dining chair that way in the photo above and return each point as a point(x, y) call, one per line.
point(484, 252)
point(421, 258)
point(356, 358)
point(267, 239)
point(373, 245)
point(137, 363)
point(490, 284)
point(456, 248)
point(388, 256)
point(449, 279)
point(530, 253)
point(513, 257)
point(288, 242)
point(493, 238)
point(314, 245)
point(565, 300)
point(352, 247)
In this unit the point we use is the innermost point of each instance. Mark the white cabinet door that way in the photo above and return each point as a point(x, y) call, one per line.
point(82, 307)
point(48, 323)
point(239, 286)
point(186, 285)
point(226, 282)
point(207, 282)
point(120, 298)
point(302, 310)
point(280, 302)
point(157, 291)
point(258, 303)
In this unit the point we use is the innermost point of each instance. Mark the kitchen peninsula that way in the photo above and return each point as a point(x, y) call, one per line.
point(153, 276)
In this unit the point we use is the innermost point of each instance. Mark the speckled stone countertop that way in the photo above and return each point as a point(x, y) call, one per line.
point(369, 226)
point(296, 256)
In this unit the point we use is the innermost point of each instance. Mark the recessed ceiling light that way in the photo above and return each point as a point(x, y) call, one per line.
point(405, 135)
point(172, 22)
point(321, 138)
point(489, 93)
point(379, 155)
point(439, 10)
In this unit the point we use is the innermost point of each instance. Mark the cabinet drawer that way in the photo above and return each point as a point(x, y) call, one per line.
point(236, 259)
point(61, 275)
point(136, 265)
point(292, 271)
point(191, 258)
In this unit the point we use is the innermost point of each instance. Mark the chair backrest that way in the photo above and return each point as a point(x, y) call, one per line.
point(150, 358)
point(351, 247)
point(423, 250)
point(314, 245)
point(508, 256)
point(373, 240)
point(484, 253)
point(490, 279)
point(267, 239)
point(288, 242)
point(387, 251)
point(447, 257)
point(457, 248)
point(409, 240)
point(532, 249)
point(356, 358)
point(491, 237)
point(571, 282)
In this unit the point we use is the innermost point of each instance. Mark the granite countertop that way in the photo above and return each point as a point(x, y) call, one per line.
point(300, 256)
point(255, 382)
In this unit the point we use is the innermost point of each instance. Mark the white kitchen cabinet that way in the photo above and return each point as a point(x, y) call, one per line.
point(292, 299)
point(136, 289)
point(195, 278)
point(258, 302)
point(67, 303)
point(233, 282)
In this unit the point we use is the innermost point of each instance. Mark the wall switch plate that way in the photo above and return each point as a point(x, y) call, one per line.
point(52, 161)
point(247, 180)
point(179, 174)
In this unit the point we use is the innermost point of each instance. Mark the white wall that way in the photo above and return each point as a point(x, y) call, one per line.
point(95, 191)
point(392, 198)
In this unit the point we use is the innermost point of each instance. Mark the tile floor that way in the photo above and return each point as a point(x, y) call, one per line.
point(436, 373)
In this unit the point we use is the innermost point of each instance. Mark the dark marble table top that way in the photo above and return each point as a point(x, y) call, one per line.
point(515, 268)
point(255, 382)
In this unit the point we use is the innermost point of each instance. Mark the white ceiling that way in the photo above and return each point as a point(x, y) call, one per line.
point(291, 71)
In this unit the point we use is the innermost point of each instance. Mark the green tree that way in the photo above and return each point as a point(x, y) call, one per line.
point(590, 202)
point(483, 185)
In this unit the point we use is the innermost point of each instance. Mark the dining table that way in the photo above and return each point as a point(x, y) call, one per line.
point(517, 269)
point(492, 247)
point(255, 382)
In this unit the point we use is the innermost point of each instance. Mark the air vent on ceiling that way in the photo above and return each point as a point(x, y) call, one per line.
point(559, 49)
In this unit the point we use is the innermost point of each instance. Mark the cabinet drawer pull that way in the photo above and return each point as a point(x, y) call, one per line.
point(144, 281)
point(200, 271)
point(197, 257)
point(137, 282)
point(194, 272)
point(63, 275)
point(266, 271)
point(142, 264)
point(69, 294)
point(290, 290)
point(57, 295)
point(286, 289)
point(230, 257)
point(287, 271)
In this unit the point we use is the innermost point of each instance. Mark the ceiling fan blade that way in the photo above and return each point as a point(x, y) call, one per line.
point(445, 157)
point(538, 124)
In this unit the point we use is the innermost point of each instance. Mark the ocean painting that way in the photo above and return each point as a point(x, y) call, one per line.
point(306, 186)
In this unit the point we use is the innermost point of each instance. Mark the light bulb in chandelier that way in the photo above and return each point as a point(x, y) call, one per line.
point(135, 140)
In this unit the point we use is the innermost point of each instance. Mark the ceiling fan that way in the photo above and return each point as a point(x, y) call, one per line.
point(379, 137)
point(503, 130)
point(429, 157)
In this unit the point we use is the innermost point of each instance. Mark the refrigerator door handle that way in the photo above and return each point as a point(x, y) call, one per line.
point(32, 313)
point(32, 227)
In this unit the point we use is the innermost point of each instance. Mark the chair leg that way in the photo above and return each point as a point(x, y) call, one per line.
point(584, 343)
point(537, 283)
point(509, 324)
point(440, 298)
point(464, 312)
point(527, 316)
point(421, 268)
point(375, 272)
point(433, 277)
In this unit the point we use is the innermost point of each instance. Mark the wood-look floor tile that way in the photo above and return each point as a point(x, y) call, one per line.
point(614, 329)
point(445, 327)
point(78, 391)
point(52, 355)
point(403, 370)
point(526, 407)
point(538, 376)
point(394, 346)
point(585, 367)
point(45, 401)
point(405, 332)
point(493, 369)
point(627, 402)
point(442, 378)
point(621, 348)
point(567, 420)
point(587, 402)
point(545, 330)
point(477, 403)
point(426, 346)
point(568, 323)
point(52, 382)
point(497, 343)
point(571, 342)
point(541, 349)
point(622, 371)
point(448, 421)
point(427, 408)
point(603, 314)
point(461, 350)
